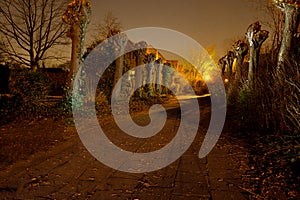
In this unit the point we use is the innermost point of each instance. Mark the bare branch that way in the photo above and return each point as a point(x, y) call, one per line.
point(30, 28)
point(282, 3)
point(110, 26)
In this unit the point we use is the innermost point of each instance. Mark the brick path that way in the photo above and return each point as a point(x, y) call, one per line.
point(68, 171)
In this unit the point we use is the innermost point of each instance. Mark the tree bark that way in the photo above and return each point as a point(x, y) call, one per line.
point(75, 60)
point(229, 59)
point(222, 64)
point(239, 68)
point(256, 38)
point(290, 28)
point(253, 65)
point(77, 16)
point(241, 50)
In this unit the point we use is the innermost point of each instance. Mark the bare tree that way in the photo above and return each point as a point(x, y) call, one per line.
point(290, 8)
point(241, 49)
point(274, 22)
point(256, 38)
point(30, 28)
point(110, 26)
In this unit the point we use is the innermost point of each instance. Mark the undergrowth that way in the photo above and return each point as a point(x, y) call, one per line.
point(270, 114)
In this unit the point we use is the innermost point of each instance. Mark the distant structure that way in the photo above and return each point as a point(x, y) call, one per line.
point(151, 69)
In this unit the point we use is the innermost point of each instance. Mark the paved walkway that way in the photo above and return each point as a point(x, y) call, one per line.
point(68, 171)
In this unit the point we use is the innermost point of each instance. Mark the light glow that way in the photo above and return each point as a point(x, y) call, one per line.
point(207, 78)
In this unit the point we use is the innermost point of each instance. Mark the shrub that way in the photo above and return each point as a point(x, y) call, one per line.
point(274, 104)
point(278, 100)
point(6, 109)
point(273, 109)
point(28, 89)
point(101, 104)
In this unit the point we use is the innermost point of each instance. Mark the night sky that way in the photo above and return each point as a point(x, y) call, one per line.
point(214, 23)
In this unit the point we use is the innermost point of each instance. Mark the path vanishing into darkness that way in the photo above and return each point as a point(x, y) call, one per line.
point(68, 171)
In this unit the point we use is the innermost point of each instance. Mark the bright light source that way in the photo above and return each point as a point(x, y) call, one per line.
point(207, 78)
point(226, 80)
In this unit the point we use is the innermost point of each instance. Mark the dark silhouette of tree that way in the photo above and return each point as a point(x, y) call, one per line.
point(227, 62)
point(241, 49)
point(290, 8)
point(110, 26)
point(30, 28)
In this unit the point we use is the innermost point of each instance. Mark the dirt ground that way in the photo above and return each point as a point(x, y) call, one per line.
point(53, 176)
point(20, 139)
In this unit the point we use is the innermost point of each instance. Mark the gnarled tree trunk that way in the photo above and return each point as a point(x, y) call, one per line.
point(241, 50)
point(291, 12)
point(256, 38)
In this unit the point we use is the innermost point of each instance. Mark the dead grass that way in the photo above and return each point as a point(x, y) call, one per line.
point(269, 117)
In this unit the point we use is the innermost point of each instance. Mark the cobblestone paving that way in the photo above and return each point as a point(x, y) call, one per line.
point(68, 171)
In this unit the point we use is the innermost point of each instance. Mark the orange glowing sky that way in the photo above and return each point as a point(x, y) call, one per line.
point(214, 23)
